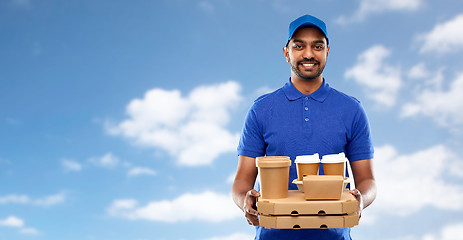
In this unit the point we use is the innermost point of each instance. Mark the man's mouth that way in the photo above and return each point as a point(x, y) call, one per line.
point(308, 64)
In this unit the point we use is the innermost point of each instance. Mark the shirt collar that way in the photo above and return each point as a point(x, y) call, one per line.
point(320, 95)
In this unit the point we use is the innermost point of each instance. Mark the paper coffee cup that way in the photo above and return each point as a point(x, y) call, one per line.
point(334, 164)
point(273, 176)
point(307, 165)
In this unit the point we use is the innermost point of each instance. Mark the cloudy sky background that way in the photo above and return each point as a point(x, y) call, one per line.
point(120, 120)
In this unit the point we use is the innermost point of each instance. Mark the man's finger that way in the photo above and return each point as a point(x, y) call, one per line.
point(252, 212)
point(253, 220)
point(253, 193)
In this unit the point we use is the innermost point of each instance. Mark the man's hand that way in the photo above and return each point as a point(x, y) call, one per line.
point(365, 185)
point(250, 208)
point(243, 193)
point(359, 198)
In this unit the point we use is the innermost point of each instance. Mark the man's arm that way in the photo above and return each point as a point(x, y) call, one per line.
point(242, 191)
point(365, 191)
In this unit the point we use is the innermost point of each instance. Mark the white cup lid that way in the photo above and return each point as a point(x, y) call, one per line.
point(334, 158)
point(315, 158)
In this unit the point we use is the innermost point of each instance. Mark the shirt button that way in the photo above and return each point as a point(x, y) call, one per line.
point(306, 108)
point(306, 119)
point(306, 98)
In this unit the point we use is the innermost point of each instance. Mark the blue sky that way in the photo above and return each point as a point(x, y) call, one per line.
point(120, 120)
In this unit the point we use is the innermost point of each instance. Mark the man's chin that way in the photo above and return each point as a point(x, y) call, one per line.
point(308, 78)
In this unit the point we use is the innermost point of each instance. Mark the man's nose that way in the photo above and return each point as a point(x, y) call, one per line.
point(308, 53)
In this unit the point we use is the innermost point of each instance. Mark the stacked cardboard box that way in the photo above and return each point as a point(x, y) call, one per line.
point(322, 201)
point(297, 212)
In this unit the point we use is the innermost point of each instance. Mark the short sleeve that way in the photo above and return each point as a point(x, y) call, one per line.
point(360, 145)
point(252, 143)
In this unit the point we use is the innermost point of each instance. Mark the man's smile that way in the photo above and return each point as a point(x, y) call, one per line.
point(308, 65)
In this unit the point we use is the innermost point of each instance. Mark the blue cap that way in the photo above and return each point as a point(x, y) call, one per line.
point(307, 21)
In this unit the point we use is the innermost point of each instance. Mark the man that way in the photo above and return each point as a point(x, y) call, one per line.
point(304, 117)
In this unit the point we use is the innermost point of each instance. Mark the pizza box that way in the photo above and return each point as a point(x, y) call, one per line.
point(299, 222)
point(296, 204)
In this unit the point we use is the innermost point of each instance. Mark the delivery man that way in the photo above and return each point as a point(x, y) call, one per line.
point(304, 117)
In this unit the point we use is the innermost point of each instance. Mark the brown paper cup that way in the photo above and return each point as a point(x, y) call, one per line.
point(334, 168)
point(304, 169)
point(273, 176)
point(307, 165)
point(334, 164)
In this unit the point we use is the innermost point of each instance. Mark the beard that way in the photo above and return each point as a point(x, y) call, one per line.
point(307, 76)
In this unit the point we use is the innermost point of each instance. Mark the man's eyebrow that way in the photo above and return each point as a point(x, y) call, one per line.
point(319, 41)
point(313, 42)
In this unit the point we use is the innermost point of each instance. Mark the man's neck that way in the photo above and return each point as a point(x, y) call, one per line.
point(307, 86)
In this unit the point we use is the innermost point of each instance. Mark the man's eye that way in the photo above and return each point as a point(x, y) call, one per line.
point(319, 47)
point(297, 46)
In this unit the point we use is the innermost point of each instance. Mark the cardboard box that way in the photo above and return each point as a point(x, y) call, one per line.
point(295, 222)
point(323, 187)
point(300, 184)
point(295, 204)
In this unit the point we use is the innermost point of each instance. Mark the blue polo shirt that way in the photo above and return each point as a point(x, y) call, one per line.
point(289, 123)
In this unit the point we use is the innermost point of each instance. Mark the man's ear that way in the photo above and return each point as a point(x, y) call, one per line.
point(286, 53)
point(327, 51)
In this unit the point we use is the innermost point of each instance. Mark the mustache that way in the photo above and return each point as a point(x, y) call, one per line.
point(307, 60)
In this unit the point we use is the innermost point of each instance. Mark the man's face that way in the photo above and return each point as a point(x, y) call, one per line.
point(307, 52)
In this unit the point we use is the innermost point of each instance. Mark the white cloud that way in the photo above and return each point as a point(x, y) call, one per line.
point(449, 232)
point(29, 231)
point(457, 169)
point(4, 161)
point(444, 38)
point(370, 7)
point(12, 121)
point(206, 206)
point(70, 165)
point(37, 48)
point(235, 236)
point(282, 6)
point(108, 160)
point(419, 71)
point(380, 81)
point(23, 3)
point(231, 178)
point(261, 91)
point(190, 128)
point(444, 106)
point(12, 221)
point(408, 183)
point(120, 205)
point(50, 200)
point(206, 6)
point(13, 198)
point(24, 199)
point(424, 79)
point(137, 171)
